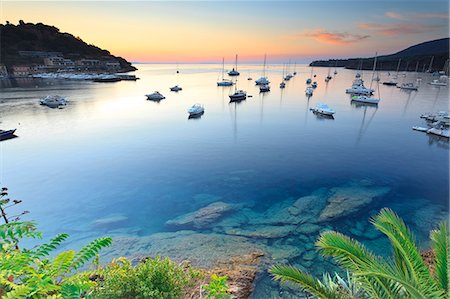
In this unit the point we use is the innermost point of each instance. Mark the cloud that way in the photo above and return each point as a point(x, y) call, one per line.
point(421, 15)
point(397, 29)
point(394, 15)
point(335, 38)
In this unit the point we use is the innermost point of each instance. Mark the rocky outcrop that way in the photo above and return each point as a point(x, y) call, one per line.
point(241, 272)
point(203, 217)
point(346, 200)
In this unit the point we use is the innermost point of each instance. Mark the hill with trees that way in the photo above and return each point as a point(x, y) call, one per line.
point(431, 56)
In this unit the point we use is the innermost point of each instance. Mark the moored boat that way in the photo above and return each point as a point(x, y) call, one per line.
point(6, 134)
point(53, 101)
point(323, 109)
point(156, 96)
point(196, 109)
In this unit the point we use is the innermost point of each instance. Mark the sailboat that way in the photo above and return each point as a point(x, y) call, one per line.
point(410, 85)
point(234, 71)
point(309, 80)
point(295, 67)
point(393, 81)
point(335, 67)
point(282, 84)
point(328, 77)
point(176, 88)
point(224, 81)
point(263, 80)
point(288, 75)
point(367, 98)
point(238, 95)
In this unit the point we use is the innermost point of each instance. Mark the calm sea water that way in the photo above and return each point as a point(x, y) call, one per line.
point(112, 154)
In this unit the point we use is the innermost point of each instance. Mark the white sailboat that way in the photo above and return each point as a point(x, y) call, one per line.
point(367, 98)
point(224, 82)
point(234, 71)
point(282, 84)
point(393, 80)
point(263, 80)
point(309, 80)
point(410, 85)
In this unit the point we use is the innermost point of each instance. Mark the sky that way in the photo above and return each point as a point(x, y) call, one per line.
point(206, 31)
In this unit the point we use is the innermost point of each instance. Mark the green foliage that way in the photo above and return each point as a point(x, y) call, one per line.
point(154, 278)
point(217, 288)
point(406, 275)
point(30, 273)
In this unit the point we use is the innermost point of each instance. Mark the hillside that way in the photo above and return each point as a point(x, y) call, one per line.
point(421, 53)
point(20, 44)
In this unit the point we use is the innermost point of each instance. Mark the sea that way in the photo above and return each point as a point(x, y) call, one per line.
point(112, 163)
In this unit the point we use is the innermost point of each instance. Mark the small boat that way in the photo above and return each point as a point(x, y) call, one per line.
point(335, 72)
point(359, 89)
point(438, 83)
point(262, 81)
point(224, 82)
point(327, 79)
point(314, 84)
point(176, 88)
point(391, 82)
point(408, 86)
point(6, 134)
point(156, 96)
point(282, 85)
point(309, 91)
point(53, 101)
point(308, 81)
point(323, 109)
point(127, 77)
point(234, 71)
point(196, 109)
point(439, 132)
point(264, 88)
point(365, 99)
point(420, 129)
point(288, 77)
point(249, 78)
point(238, 95)
point(107, 79)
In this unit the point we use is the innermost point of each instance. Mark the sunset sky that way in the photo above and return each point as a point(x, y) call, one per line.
point(204, 31)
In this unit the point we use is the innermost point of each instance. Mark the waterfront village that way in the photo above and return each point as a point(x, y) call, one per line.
point(70, 66)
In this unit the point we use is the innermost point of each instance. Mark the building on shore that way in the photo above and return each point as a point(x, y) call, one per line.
point(21, 70)
point(3, 71)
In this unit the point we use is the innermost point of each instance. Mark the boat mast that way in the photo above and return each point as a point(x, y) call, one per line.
point(235, 63)
point(374, 67)
point(398, 66)
point(431, 64)
point(264, 66)
point(223, 67)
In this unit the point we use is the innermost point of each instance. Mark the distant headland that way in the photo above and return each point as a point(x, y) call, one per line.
point(28, 49)
point(431, 56)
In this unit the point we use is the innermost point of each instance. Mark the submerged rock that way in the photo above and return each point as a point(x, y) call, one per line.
point(110, 221)
point(203, 217)
point(262, 231)
point(308, 228)
point(346, 200)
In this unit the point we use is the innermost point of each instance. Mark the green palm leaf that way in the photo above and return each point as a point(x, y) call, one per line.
point(441, 247)
point(409, 265)
point(305, 281)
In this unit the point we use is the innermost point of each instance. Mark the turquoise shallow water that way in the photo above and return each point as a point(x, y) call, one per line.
point(113, 163)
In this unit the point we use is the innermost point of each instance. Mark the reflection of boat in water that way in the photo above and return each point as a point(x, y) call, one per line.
point(196, 110)
point(7, 134)
point(323, 109)
point(156, 96)
point(53, 101)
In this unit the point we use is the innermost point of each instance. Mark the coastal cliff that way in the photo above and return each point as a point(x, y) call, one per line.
point(32, 48)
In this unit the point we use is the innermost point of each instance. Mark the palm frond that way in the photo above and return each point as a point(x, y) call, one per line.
point(355, 258)
point(306, 282)
point(409, 265)
point(440, 243)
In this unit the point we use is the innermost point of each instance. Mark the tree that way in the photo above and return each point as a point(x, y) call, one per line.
point(405, 275)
